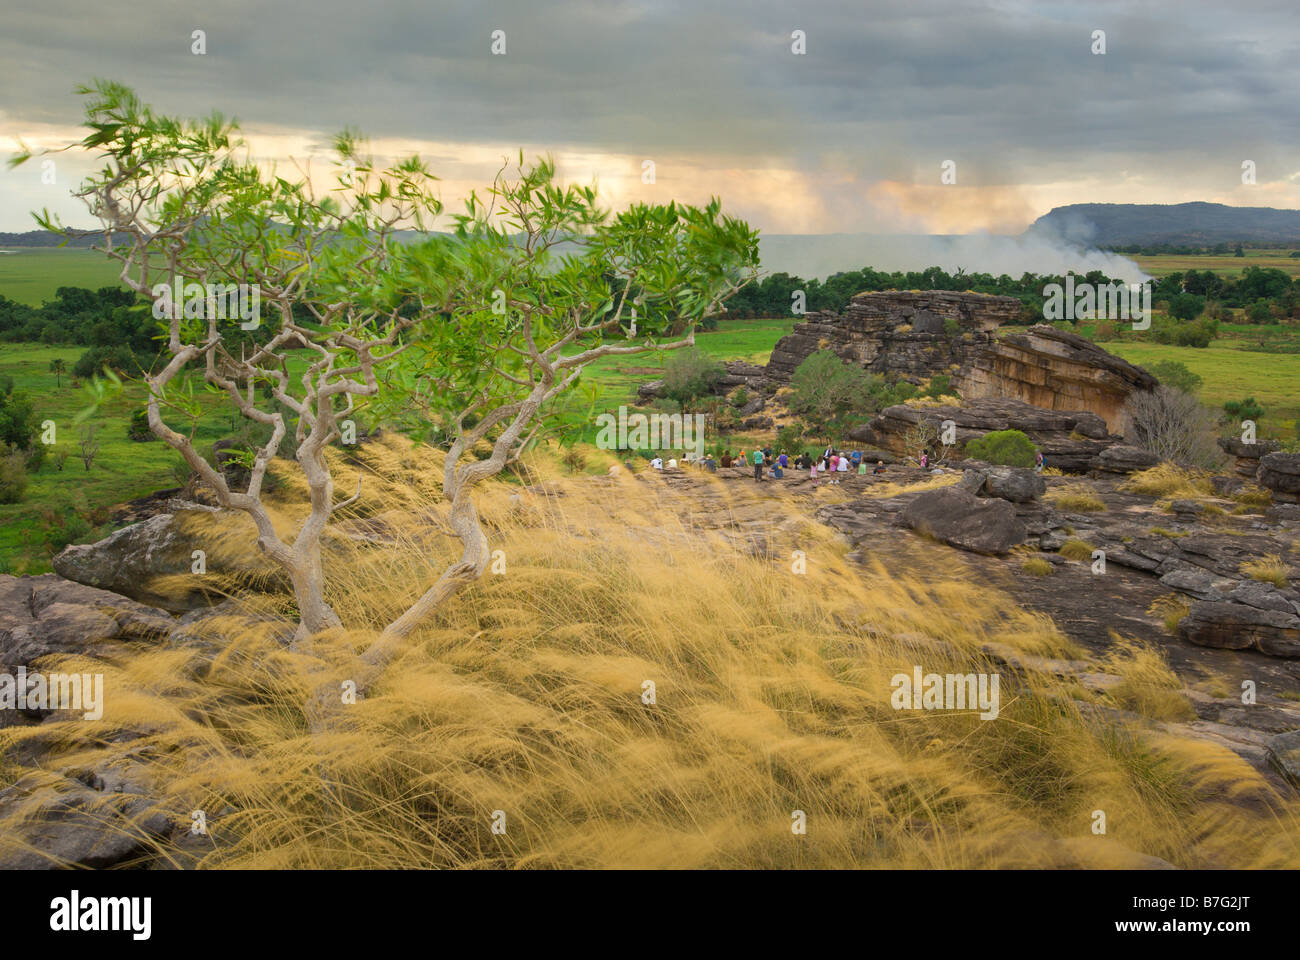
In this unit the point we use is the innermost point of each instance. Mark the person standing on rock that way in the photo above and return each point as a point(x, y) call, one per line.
point(925, 461)
point(1039, 462)
point(758, 465)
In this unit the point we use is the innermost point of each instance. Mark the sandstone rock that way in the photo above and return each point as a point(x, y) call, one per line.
point(973, 481)
point(1235, 626)
point(1263, 596)
point(648, 390)
point(1280, 473)
point(76, 825)
point(965, 521)
point(1196, 583)
point(1059, 434)
point(1226, 486)
point(1283, 753)
point(47, 614)
point(1123, 458)
point(1187, 510)
point(1017, 484)
point(127, 560)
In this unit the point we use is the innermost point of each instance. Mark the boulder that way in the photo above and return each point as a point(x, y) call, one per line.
point(961, 520)
point(1236, 626)
point(1017, 484)
point(47, 614)
point(1280, 473)
point(1123, 458)
point(128, 560)
point(103, 824)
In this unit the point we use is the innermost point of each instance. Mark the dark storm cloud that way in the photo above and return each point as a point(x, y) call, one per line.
point(886, 90)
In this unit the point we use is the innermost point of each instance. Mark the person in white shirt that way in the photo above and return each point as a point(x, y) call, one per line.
point(657, 463)
point(843, 466)
point(672, 464)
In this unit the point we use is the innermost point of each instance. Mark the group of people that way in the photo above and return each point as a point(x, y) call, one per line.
point(831, 461)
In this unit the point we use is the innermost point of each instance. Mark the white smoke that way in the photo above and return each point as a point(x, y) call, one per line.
point(820, 255)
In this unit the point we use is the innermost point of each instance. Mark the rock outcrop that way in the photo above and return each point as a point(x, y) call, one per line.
point(129, 561)
point(1071, 440)
point(919, 334)
point(1247, 454)
point(1280, 473)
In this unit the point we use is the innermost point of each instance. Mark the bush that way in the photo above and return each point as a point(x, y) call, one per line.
point(1247, 409)
point(788, 438)
point(690, 374)
point(138, 427)
point(1269, 569)
point(1008, 447)
point(740, 398)
point(574, 459)
point(13, 474)
point(1174, 426)
point(1171, 373)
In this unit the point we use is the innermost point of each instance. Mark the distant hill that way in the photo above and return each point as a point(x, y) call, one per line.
point(1108, 225)
point(44, 238)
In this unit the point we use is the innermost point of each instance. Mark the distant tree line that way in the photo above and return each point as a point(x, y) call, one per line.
point(1266, 294)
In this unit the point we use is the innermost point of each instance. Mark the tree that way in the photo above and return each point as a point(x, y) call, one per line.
point(690, 374)
point(465, 337)
point(824, 389)
point(1186, 306)
point(57, 367)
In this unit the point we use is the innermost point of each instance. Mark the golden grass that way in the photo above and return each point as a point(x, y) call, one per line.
point(1149, 687)
point(526, 695)
point(1075, 549)
point(1036, 567)
point(1169, 481)
point(1170, 608)
point(1253, 496)
point(1076, 497)
point(1269, 568)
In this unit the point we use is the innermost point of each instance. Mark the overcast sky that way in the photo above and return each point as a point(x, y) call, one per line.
point(849, 137)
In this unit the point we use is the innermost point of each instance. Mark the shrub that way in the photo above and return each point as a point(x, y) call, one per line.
point(1247, 409)
point(788, 438)
point(740, 398)
point(1171, 424)
point(574, 459)
point(137, 428)
point(13, 474)
point(1008, 447)
point(1171, 373)
point(690, 374)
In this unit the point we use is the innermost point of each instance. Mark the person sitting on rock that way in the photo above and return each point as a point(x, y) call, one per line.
point(657, 463)
point(880, 467)
point(843, 465)
point(783, 461)
point(671, 464)
point(726, 458)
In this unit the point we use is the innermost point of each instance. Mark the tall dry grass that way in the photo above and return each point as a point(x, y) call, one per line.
point(772, 695)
